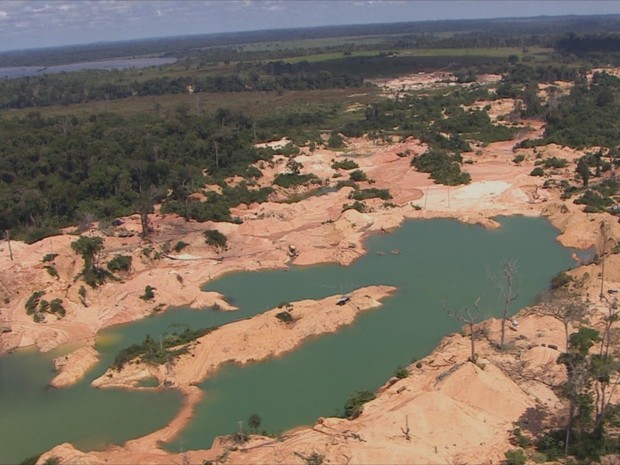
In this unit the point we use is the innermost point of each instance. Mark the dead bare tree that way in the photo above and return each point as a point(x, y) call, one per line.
point(565, 307)
point(406, 431)
point(470, 318)
point(602, 253)
point(612, 316)
point(145, 205)
point(508, 292)
point(8, 241)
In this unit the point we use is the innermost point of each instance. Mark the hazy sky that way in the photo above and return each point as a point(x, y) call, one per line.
point(44, 23)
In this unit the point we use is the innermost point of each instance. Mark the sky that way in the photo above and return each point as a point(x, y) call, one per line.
point(28, 24)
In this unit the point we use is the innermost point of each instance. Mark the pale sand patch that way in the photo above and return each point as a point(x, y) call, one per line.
point(476, 190)
point(275, 144)
point(253, 339)
point(72, 367)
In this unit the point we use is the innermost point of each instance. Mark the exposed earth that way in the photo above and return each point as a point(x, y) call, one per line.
point(448, 410)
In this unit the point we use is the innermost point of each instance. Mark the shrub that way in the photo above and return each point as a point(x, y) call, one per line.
point(593, 201)
point(347, 183)
point(335, 141)
point(52, 271)
point(160, 351)
point(359, 206)
point(57, 308)
point(538, 171)
point(148, 293)
point(443, 168)
point(515, 457)
point(35, 234)
point(344, 165)
point(287, 180)
point(562, 279)
point(383, 194)
point(120, 263)
point(401, 372)
point(518, 158)
point(520, 439)
point(49, 257)
point(215, 238)
point(358, 176)
point(180, 246)
point(354, 405)
point(555, 162)
point(314, 459)
point(284, 317)
point(33, 301)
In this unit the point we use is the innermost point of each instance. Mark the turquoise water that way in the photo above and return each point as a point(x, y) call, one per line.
point(441, 263)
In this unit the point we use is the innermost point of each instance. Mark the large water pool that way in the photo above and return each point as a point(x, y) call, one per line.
point(434, 264)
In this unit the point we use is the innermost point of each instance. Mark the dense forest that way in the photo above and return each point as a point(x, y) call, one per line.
point(115, 162)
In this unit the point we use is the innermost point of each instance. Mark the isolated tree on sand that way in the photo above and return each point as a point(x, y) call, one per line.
point(89, 248)
point(470, 318)
point(564, 306)
point(508, 291)
point(145, 205)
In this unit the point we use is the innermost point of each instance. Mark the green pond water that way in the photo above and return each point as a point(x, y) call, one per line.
point(441, 263)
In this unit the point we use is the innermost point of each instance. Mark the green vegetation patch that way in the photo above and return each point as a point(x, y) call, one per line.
point(443, 167)
point(354, 405)
point(157, 352)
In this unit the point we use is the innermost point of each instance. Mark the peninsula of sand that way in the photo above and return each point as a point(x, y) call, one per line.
point(462, 412)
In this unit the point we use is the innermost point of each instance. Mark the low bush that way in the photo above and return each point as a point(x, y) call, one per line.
point(401, 372)
point(515, 457)
point(555, 162)
point(358, 176)
point(287, 180)
point(344, 165)
point(443, 167)
point(562, 279)
point(148, 293)
point(215, 238)
point(33, 302)
point(179, 246)
point(594, 202)
point(354, 405)
point(359, 206)
point(161, 351)
point(383, 194)
point(52, 271)
point(120, 263)
point(284, 317)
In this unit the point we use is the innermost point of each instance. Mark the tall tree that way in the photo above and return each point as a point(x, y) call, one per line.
point(508, 292)
point(470, 318)
point(583, 170)
point(566, 307)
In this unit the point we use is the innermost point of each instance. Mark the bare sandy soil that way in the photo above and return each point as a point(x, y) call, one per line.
point(447, 411)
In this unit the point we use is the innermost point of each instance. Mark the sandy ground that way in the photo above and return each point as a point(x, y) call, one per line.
point(447, 423)
point(253, 339)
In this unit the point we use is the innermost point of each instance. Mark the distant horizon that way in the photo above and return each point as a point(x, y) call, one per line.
point(291, 28)
point(35, 25)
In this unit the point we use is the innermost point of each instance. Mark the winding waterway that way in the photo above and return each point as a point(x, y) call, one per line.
point(434, 264)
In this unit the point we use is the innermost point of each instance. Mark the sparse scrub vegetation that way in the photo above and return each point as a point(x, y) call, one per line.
point(215, 238)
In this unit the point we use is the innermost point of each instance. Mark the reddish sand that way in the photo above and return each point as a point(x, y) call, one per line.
point(447, 411)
